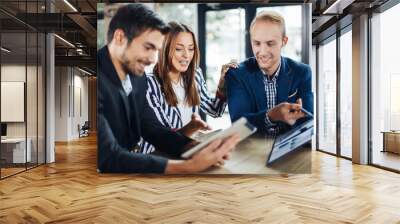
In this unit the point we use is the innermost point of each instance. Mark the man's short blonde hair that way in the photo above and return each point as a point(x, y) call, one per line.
point(270, 16)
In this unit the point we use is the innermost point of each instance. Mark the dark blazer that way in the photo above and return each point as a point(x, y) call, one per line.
point(122, 120)
point(246, 91)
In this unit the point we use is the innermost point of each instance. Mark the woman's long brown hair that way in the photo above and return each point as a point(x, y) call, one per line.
point(164, 66)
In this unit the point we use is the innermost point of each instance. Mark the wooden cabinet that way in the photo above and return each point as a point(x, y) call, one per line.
point(391, 141)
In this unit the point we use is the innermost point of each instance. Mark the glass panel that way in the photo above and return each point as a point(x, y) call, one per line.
point(101, 37)
point(180, 12)
point(293, 18)
point(41, 99)
point(385, 84)
point(223, 45)
point(346, 94)
point(327, 97)
point(22, 63)
point(13, 87)
point(32, 88)
point(31, 98)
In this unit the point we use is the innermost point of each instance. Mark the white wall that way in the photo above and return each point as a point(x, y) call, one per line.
point(61, 103)
point(17, 73)
point(71, 94)
point(33, 126)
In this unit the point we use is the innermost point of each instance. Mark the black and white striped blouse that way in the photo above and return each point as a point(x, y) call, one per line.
point(170, 116)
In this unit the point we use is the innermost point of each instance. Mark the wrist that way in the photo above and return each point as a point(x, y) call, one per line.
point(221, 84)
point(186, 130)
point(221, 94)
point(270, 117)
point(178, 167)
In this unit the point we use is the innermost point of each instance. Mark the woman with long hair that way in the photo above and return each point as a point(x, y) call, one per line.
point(177, 89)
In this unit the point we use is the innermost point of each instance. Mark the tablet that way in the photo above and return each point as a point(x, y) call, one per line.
point(241, 126)
point(292, 140)
point(308, 114)
point(202, 136)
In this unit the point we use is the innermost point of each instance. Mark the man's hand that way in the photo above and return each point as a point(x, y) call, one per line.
point(213, 154)
point(194, 125)
point(286, 112)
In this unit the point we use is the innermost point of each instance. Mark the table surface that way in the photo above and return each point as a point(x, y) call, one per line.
point(250, 157)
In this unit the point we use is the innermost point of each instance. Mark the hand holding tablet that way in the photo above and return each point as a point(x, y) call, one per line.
point(242, 127)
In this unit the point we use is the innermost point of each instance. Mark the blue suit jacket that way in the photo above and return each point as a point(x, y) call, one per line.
point(246, 91)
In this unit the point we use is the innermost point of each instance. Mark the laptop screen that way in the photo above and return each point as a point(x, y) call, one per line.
point(291, 140)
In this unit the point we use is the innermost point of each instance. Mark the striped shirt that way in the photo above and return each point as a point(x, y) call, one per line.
point(271, 94)
point(170, 116)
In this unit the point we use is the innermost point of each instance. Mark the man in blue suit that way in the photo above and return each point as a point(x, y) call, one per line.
point(269, 89)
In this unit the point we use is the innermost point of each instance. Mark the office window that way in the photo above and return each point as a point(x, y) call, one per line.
point(385, 84)
point(185, 13)
point(23, 89)
point(13, 84)
point(327, 97)
point(346, 94)
point(223, 44)
point(293, 21)
point(101, 37)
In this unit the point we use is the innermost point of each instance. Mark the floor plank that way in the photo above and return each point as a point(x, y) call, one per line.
point(71, 191)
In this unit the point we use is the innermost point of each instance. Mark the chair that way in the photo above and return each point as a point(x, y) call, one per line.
point(84, 130)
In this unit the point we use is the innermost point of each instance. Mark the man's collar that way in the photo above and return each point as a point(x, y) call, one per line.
point(276, 73)
point(106, 66)
point(127, 85)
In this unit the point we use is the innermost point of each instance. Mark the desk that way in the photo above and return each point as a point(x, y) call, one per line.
point(391, 141)
point(250, 157)
point(13, 150)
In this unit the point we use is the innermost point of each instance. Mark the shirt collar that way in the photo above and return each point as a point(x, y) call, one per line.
point(275, 76)
point(127, 85)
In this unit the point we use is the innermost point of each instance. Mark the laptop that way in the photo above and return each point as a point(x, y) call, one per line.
point(292, 140)
point(285, 143)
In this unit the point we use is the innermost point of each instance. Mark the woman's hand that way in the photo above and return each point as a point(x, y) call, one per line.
point(224, 70)
point(194, 125)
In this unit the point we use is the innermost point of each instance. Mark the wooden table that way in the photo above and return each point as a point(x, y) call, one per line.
point(250, 157)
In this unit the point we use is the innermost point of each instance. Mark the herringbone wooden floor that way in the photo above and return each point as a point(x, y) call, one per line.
point(71, 191)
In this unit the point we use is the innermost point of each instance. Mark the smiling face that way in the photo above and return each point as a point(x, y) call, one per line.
point(267, 41)
point(183, 52)
point(140, 52)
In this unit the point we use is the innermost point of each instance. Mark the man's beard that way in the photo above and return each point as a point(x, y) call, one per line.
point(128, 70)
